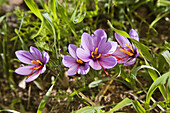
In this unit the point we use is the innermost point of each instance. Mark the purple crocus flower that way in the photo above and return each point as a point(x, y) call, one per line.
point(126, 53)
point(37, 63)
point(96, 50)
point(75, 64)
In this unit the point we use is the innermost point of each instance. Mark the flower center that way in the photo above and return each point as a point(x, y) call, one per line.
point(79, 61)
point(130, 53)
point(37, 62)
point(95, 55)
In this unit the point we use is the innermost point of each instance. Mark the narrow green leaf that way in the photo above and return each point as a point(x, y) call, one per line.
point(34, 8)
point(159, 81)
point(89, 109)
point(44, 5)
point(166, 55)
point(2, 18)
point(138, 107)
point(8, 110)
point(44, 100)
point(123, 103)
point(134, 71)
point(168, 91)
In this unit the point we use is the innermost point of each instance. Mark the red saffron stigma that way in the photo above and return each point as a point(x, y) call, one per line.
point(103, 68)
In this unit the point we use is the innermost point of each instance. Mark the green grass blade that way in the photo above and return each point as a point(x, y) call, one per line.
point(123, 103)
point(34, 8)
point(159, 81)
point(166, 55)
point(138, 107)
point(44, 100)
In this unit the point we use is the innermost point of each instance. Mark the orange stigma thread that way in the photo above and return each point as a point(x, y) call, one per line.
point(95, 54)
point(128, 52)
point(79, 61)
point(37, 62)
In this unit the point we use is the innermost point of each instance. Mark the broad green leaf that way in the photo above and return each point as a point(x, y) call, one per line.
point(159, 81)
point(89, 109)
point(123, 103)
point(166, 55)
point(34, 8)
point(138, 107)
point(44, 100)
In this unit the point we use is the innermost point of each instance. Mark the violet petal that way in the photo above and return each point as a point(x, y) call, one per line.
point(43, 69)
point(46, 57)
point(86, 42)
point(133, 34)
point(132, 61)
point(72, 50)
point(108, 62)
point(33, 77)
point(36, 53)
point(95, 65)
point(122, 40)
point(24, 56)
point(72, 70)
point(25, 70)
point(68, 61)
point(83, 54)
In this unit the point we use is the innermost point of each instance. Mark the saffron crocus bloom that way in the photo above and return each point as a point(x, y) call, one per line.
point(96, 50)
point(126, 53)
point(75, 64)
point(37, 63)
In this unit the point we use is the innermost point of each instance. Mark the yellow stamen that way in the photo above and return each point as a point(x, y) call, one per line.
point(127, 52)
point(79, 61)
point(39, 62)
point(92, 55)
point(37, 67)
point(35, 62)
point(95, 51)
point(98, 56)
point(130, 47)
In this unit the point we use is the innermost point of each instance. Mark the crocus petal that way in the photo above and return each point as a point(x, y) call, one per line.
point(24, 56)
point(132, 61)
point(43, 69)
point(122, 40)
point(114, 47)
point(72, 70)
point(108, 62)
point(33, 77)
point(84, 69)
point(95, 65)
point(86, 42)
point(83, 54)
point(25, 70)
point(98, 36)
point(46, 57)
point(68, 61)
point(36, 53)
point(133, 34)
point(72, 50)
